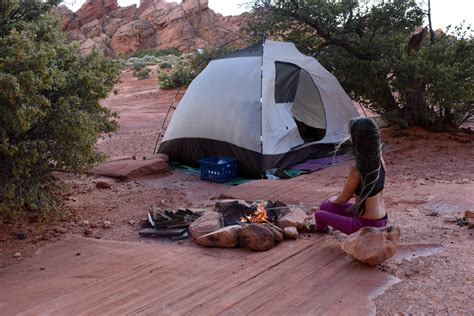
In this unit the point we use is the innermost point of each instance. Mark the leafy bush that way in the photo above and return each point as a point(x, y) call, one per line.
point(138, 65)
point(142, 74)
point(158, 53)
point(188, 69)
point(182, 75)
point(409, 80)
point(50, 115)
point(165, 65)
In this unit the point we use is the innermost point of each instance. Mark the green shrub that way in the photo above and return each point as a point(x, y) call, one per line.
point(158, 53)
point(50, 115)
point(367, 46)
point(138, 65)
point(187, 69)
point(142, 74)
point(165, 65)
point(182, 75)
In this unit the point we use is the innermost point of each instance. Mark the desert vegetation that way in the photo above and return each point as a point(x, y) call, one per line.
point(50, 116)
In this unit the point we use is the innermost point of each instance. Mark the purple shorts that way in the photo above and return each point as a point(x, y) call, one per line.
point(338, 217)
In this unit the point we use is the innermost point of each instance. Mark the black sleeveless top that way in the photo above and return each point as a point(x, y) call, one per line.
point(378, 186)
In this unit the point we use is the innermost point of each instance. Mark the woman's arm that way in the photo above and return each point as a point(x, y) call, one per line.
point(352, 181)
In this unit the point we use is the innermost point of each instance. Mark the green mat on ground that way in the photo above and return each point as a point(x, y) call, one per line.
point(197, 172)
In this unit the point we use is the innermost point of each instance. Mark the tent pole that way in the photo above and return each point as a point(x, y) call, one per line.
point(166, 118)
point(261, 102)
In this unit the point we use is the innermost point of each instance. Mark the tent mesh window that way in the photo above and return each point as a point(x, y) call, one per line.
point(295, 85)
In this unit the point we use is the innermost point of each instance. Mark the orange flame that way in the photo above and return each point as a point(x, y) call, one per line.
point(258, 216)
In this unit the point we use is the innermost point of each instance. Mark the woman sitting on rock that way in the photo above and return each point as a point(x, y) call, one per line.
point(365, 181)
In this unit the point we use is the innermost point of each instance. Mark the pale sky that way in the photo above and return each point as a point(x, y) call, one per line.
point(444, 12)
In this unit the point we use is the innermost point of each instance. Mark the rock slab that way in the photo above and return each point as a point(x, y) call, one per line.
point(133, 169)
point(372, 245)
point(226, 237)
point(256, 237)
point(209, 222)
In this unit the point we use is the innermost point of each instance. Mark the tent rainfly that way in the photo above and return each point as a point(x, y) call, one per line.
point(268, 105)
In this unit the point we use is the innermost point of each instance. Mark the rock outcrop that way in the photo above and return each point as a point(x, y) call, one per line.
point(154, 24)
point(372, 245)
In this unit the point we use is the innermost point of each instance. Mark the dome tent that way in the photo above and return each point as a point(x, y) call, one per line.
point(268, 105)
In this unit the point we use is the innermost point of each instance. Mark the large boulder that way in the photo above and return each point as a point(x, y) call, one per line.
point(256, 237)
point(208, 222)
point(226, 237)
point(372, 245)
point(293, 217)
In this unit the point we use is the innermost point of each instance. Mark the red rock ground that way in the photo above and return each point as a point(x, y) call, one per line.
point(430, 177)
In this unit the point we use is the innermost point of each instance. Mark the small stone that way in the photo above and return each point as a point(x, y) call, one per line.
point(132, 222)
point(290, 232)
point(85, 223)
point(16, 255)
point(106, 224)
point(22, 236)
point(103, 185)
point(60, 230)
point(88, 231)
point(451, 219)
point(469, 217)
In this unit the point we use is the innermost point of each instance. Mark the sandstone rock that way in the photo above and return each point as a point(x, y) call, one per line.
point(103, 185)
point(292, 217)
point(290, 232)
point(106, 224)
point(226, 237)
point(88, 231)
point(469, 216)
point(154, 24)
point(276, 231)
point(132, 169)
point(372, 245)
point(137, 34)
point(207, 223)
point(256, 237)
point(131, 222)
point(16, 255)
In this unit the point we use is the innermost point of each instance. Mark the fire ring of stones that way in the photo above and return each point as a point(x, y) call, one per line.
point(258, 226)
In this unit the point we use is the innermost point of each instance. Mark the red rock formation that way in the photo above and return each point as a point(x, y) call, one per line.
point(155, 24)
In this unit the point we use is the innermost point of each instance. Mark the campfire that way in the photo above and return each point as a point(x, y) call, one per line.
point(257, 216)
point(256, 226)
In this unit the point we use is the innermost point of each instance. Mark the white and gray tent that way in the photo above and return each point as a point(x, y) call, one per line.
point(268, 105)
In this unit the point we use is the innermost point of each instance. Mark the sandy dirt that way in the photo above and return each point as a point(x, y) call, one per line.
point(430, 178)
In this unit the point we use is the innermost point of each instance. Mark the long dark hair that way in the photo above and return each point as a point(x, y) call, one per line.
point(367, 151)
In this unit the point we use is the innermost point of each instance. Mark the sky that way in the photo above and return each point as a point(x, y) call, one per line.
point(444, 12)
